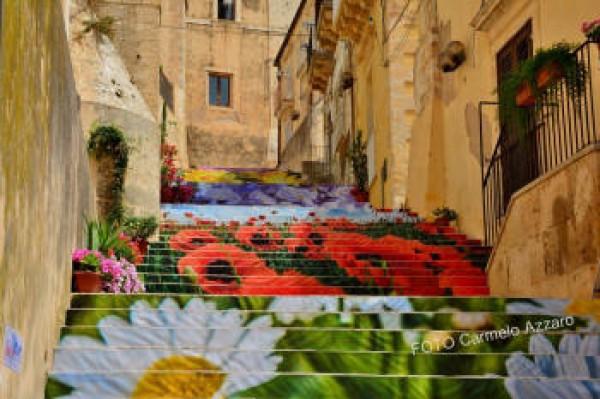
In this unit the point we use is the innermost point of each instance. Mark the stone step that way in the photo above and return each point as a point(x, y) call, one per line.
point(349, 340)
point(108, 359)
point(478, 304)
point(417, 321)
point(277, 385)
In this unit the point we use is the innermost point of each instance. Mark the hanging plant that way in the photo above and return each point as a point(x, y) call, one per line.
point(524, 87)
point(109, 141)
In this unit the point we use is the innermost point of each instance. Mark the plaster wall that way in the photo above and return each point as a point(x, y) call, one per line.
point(44, 185)
point(452, 159)
point(550, 244)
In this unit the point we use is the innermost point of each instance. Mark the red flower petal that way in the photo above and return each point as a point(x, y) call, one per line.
point(189, 240)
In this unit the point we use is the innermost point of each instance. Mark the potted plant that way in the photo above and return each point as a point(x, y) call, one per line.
point(444, 216)
point(525, 86)
point(357, 153)
point(86, 270)
point(173, 187)
point(140, 229)
point(120, 276)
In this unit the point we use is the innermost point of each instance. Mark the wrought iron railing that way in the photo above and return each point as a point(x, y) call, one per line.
point(558, 126)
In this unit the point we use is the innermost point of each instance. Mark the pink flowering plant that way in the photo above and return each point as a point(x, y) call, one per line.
point(119, 275)
point(591, 29)
point(86, 260)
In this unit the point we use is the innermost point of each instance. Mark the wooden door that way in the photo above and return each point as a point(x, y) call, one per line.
point(518, 152)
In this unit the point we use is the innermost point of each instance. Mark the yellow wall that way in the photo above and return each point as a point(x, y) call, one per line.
point(44, 186)
point(444, 166)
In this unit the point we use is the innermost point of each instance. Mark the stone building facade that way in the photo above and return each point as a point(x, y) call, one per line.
point(298, 102)
point(361, 65)
point(210, 62)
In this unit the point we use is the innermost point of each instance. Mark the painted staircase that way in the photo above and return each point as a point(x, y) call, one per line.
point(293, 291)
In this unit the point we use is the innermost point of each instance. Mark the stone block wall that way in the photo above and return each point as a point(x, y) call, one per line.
point(549, 245)
point(44, 186)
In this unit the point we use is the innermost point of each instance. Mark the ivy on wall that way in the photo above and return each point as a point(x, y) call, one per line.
point(108, 140)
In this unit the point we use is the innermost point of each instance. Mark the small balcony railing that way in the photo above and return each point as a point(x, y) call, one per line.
point(557, 127)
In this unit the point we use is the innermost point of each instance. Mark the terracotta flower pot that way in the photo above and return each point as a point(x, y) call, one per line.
point(549, 74)
point(525, 96)
point(87, 282)
point(545, 77)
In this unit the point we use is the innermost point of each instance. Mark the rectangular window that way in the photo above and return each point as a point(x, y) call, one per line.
point(219, 90)
point(226, 10)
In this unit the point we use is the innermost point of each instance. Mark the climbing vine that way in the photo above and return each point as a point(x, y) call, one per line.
point(108, 140)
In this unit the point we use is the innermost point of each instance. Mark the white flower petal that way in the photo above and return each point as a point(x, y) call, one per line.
point(542, 306)
point(80, 341)
point(590, 346)
point(546, 389)
point(539, 344)
point(570, 344)
point(259, 336)
point(98, 386)
point(519, 366)
point(207, 332)
point(292, 308)
point(169, 312)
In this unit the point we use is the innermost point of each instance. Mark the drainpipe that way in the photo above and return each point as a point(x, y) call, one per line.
point(352, 104)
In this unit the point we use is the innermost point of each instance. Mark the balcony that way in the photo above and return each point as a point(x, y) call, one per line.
point(350, 17)
point(320, 63)
point(326, 35)
point(557, 127)
point(320, 69)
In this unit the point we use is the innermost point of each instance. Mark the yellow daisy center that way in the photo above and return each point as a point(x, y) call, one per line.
point(180, 377)
point(581, 307)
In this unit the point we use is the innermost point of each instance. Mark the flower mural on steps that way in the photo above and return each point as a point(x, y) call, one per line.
point(261, 238)
point(556, 377)
point(224, 269)
point(189, 240)
point(219, 346)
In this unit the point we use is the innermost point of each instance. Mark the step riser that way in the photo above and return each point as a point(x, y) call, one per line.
point(351, 387)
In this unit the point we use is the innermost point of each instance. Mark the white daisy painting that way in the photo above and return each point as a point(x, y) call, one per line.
point(569, 373)
point(208, 349)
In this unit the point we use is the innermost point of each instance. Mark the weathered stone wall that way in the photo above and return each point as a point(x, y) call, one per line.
point(550, 244)
point(44, 186)
point(189, 42)
point(232, 152)
point(109, 96)
point(141, 195)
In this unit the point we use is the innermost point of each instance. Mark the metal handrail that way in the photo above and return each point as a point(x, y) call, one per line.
point(558, 127)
